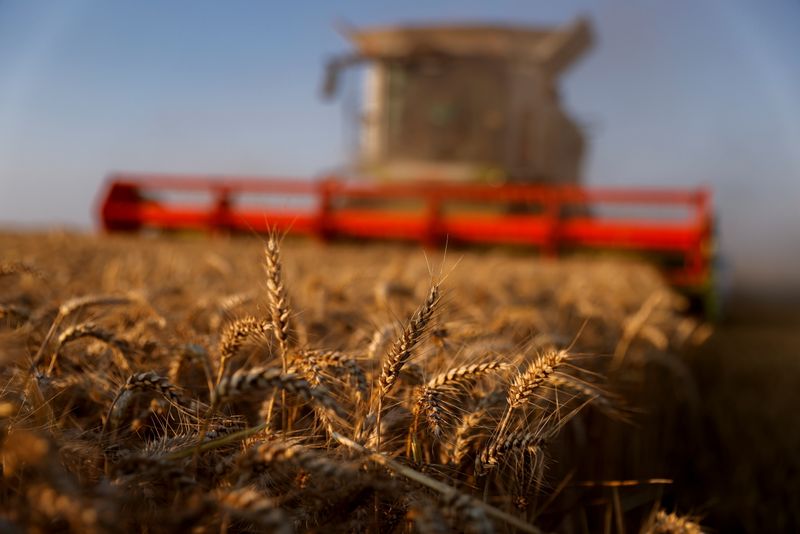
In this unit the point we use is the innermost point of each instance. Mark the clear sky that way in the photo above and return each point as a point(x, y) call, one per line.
point(680, 92)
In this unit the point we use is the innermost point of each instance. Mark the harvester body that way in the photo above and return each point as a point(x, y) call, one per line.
point(463, 140)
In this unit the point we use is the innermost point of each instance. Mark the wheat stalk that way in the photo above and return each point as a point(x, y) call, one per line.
point(280, 313)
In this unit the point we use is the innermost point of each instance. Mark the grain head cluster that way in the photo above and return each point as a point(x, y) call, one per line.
point(237, 386)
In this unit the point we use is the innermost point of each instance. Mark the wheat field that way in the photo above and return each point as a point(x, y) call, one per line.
point(163, 384)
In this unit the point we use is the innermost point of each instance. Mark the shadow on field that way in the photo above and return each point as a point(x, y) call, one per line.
point(747, 466)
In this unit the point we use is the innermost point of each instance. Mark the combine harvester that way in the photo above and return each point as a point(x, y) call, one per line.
point(463, 140)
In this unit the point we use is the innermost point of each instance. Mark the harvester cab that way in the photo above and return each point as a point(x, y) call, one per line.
point(474, 104)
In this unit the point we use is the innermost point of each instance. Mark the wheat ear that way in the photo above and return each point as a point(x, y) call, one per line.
point(72, 306)
point(250, 505)
point(274, 452)
point(430, 400)
point(84, 330)
point(402, 350)
point(235, 336)
point(278, 299)
point(264, 379)
point(280, 313)
point(522, 442)
point(139, 382)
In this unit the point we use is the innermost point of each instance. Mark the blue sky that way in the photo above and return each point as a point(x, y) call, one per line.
point(679, 92)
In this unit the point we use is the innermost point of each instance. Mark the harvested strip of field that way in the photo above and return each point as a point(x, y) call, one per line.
point(194, 353)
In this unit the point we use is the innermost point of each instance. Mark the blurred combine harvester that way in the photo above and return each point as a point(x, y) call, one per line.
point(462, 138)
point(467, 103)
